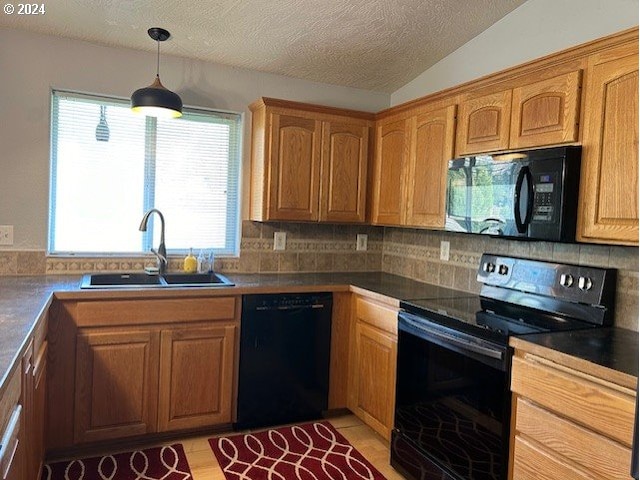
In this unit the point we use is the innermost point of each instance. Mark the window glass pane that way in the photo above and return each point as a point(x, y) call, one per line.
point(188, 168)
point(98, 194)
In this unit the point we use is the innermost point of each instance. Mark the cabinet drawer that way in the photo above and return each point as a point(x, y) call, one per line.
point(380, 316)
point(127, 312)
point(532, 462)
point(590, 450)
point(600, 405)
point(10, 441)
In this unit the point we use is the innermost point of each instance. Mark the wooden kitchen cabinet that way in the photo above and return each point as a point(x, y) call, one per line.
point(393, 141)
point(38, 417)
point(544, 112)
point(116, 384)
point(484, 123)
point(140, 366)
point(12, 438)
point(196, 377)
point(567, 421)
point(410, 168)
point(308, 163)
point(609, 177)
point(373, 371)
point(432, 142)
point(344, 172)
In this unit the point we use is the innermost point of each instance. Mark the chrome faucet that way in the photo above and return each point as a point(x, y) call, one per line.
point(161, 253)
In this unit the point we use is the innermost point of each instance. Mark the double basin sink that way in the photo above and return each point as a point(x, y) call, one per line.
point(145, 280)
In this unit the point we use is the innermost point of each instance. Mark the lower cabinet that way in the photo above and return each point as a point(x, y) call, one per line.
point(116, 384)
point(196, 377)
point(147, 366)
point(12, 435)
point(569, 423)
point(373, 376)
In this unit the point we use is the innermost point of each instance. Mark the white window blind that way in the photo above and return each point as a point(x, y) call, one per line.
point(188, 168)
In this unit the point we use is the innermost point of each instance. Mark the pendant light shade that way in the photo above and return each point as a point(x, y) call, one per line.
point(156, 100)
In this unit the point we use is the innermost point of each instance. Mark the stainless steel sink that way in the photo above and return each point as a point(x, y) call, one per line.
point(145, 280)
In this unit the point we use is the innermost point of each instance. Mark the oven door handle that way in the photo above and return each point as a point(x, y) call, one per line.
point(457, 341)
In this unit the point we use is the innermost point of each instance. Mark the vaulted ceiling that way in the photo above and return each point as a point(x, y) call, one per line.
point(371, 44)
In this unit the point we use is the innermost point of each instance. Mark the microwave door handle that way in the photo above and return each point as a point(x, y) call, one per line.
point(522, 224)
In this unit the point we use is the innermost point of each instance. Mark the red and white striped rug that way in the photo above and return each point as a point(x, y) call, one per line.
point(158, 463)
point(314, 451)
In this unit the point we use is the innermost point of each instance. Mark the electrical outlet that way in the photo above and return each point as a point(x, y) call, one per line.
point(444, 250)
point(6, 234)
point(279, 240)
point(361, 242)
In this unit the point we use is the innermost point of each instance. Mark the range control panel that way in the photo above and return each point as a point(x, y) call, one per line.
point(576, 283)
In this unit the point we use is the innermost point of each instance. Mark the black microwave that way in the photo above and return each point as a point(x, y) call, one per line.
point(530, 194)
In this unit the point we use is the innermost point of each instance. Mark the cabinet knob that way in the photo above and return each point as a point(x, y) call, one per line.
point(566, 280)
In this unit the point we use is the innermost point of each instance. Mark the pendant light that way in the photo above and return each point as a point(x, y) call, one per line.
point(156, 100)
point(102, 129)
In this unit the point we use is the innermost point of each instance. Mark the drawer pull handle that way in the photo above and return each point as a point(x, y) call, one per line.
point(9, 434)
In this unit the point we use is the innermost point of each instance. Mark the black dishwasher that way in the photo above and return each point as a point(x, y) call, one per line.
point(284, 358)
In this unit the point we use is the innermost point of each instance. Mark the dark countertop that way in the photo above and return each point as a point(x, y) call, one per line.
point(23, 299)
point(614, 348)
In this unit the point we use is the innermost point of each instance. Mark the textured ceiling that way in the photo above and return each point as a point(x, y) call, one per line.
point(371, 44)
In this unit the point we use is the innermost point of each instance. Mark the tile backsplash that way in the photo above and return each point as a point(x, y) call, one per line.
point(324, 248)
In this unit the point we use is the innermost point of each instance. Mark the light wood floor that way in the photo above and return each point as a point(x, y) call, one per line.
point(205, 467)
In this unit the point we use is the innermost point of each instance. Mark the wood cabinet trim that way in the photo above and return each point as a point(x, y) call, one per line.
point(331, 113)
point(547, 63)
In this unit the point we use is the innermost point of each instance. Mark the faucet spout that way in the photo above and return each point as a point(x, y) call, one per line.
point(161, 253)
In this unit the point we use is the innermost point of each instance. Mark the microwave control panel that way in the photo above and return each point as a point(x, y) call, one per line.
point(544, 199)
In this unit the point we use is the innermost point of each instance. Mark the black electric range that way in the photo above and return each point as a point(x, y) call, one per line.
point(453, 402)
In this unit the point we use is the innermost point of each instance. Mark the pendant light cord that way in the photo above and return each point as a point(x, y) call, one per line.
point(158, 61)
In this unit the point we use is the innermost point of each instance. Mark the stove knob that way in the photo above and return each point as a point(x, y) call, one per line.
point(566, 280)
point(585, 283)
point(503, 269)
point(489, 267)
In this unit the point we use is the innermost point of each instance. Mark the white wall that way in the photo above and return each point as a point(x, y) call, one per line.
point(32, 64)
point(535, 29)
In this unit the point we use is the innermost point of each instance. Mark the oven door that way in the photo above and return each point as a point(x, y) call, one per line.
point(452, 404)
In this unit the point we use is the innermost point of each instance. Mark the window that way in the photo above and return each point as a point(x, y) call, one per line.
point(104, 179)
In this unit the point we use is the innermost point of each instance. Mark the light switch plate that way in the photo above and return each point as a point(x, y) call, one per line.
point(361, 242)
point(6, 234)
point(444, 250)
point(279, 240)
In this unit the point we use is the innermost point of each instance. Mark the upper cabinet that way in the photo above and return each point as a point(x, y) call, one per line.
point(609, 178)
point(389, 174)
point(432, 137)
point(541, 113)
point(546, 112)
point(308, 163)
point(410, 168)
point(483, 124)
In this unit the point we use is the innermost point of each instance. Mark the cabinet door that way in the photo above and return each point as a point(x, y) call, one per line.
point(196, 379)
point(375, 364)
point(546, 112)
point(37, 445)
point(431, 149)
point(609, 178)
point(344, 172)
point(294, 176)
point(116, 384)
point(391, 160)
point(483, 124)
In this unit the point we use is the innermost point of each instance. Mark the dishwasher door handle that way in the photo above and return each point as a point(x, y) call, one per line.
point(281, 308)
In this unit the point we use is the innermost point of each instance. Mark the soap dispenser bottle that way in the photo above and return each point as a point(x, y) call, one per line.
point(190, 263)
